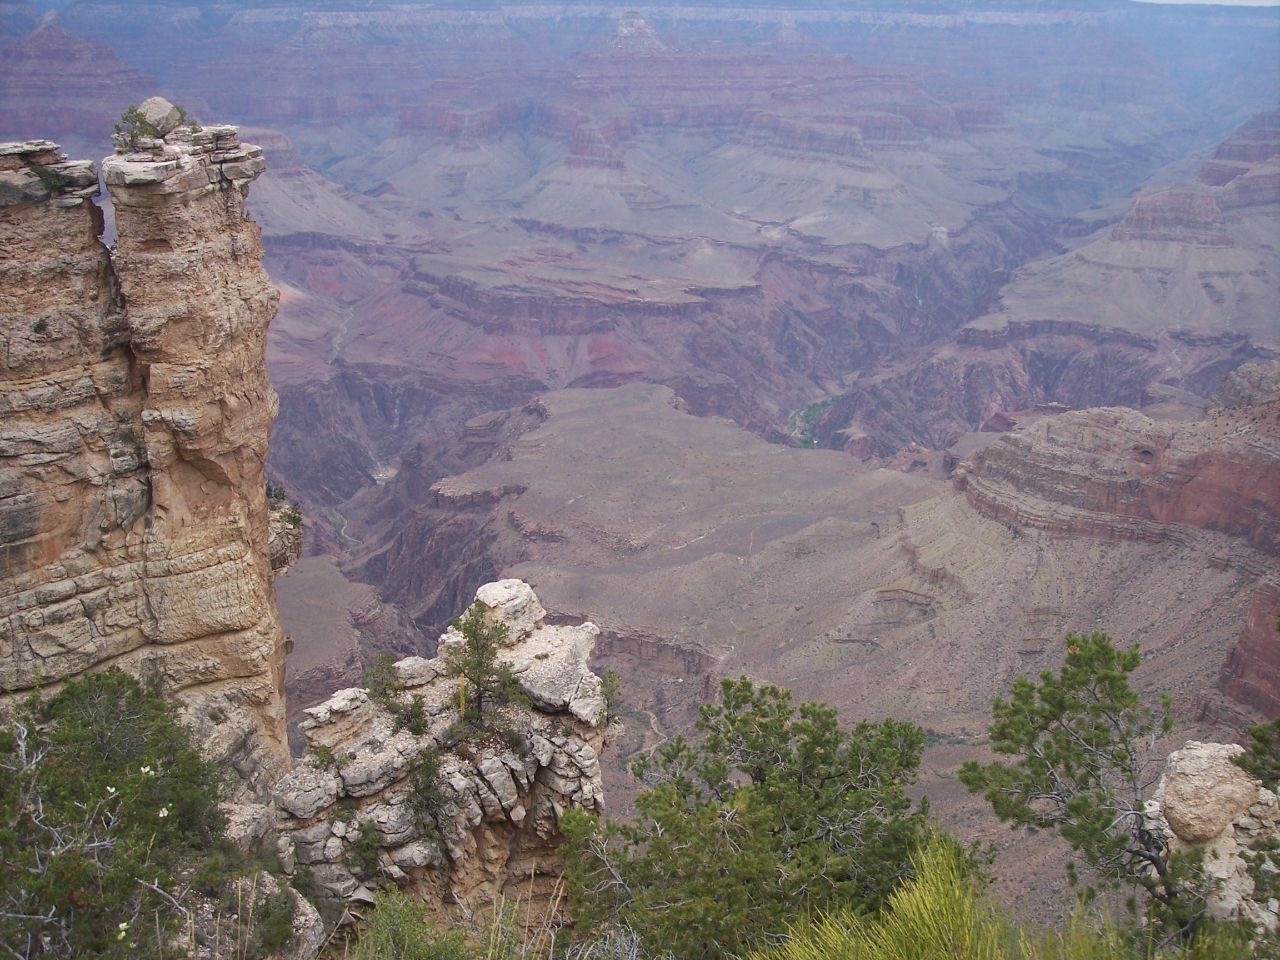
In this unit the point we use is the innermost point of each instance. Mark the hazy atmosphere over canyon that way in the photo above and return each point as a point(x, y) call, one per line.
point(866, 348)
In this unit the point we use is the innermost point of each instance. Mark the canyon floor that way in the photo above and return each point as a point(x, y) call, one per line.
point(864, 349)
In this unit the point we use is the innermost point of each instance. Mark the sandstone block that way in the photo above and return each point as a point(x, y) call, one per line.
point(417, 854)
point(161, 114)
point(121, 172)
point(305, 791)
point(1203, 791)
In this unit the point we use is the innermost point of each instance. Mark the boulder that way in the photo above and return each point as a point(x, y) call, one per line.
point(1203, 791)
point(515, 604)
point(161, 114)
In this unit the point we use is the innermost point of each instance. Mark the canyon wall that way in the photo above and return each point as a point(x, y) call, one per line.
point(133, 512)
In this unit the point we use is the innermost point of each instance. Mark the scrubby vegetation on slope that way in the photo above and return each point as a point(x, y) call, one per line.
point(111, 838)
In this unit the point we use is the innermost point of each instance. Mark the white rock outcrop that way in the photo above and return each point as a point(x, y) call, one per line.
point(348, 810)
point(1205, 802)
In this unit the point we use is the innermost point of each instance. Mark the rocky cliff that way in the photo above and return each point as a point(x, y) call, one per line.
point(1115, 473)
point(1205, 804)
point(136, 411)
point(459, 817)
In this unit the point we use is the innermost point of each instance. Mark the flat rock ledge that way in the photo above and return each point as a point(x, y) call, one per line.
point(350, 813)
point(37, 170)
point(185, 157)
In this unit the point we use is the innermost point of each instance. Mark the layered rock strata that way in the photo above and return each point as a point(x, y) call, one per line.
point(359, 811)
point(136, 412)
point(1117, 474)
point(1205, 803)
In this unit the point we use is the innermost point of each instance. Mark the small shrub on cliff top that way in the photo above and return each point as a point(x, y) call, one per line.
point(384, 687)
point(104, 802)
point(132, 127)
point(484, 680)
point(381, 680)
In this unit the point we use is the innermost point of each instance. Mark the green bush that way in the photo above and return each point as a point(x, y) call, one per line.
point(364, 850)
point(425, 795)
point(133, 126)
point(484, 681)
point(774, 811)
point(103, 803)
point(400, 930)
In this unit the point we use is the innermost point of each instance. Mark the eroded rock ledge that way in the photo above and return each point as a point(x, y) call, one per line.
point(348, 812)
point(134, 416)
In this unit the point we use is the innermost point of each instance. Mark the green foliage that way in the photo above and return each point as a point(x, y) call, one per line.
point(132, 127)
point(773, 812)
point(611, 691)
point(305, 883)
point(804, 422)
point(943, 915)
point(384, 687)
point(40, 326)
point(1083, 746)
point(293, 516)
point(1262, 760)
point(272, 922)
point(381, 680)
point(103, 801)
point(400, 930)
point(1262, 755)
point(188, 121)
point(515, 741)
point(484, 680)
point(425, 795)
point(322, 757)
point(275, 493)
point(52, 179)
point(363, 858)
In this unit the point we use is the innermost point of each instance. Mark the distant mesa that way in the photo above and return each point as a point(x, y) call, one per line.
point(635, 36)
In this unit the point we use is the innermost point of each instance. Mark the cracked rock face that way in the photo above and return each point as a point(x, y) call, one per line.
point(134, 415)
point(350, 812)
point(1205, 802)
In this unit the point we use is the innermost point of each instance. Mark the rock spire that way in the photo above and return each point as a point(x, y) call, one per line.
point(136, 409)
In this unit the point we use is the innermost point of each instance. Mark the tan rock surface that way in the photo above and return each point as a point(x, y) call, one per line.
point(1203, 791)
point(1205, 803)
point(133, 514)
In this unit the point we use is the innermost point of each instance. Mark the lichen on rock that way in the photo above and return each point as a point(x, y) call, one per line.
point(356, 811)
